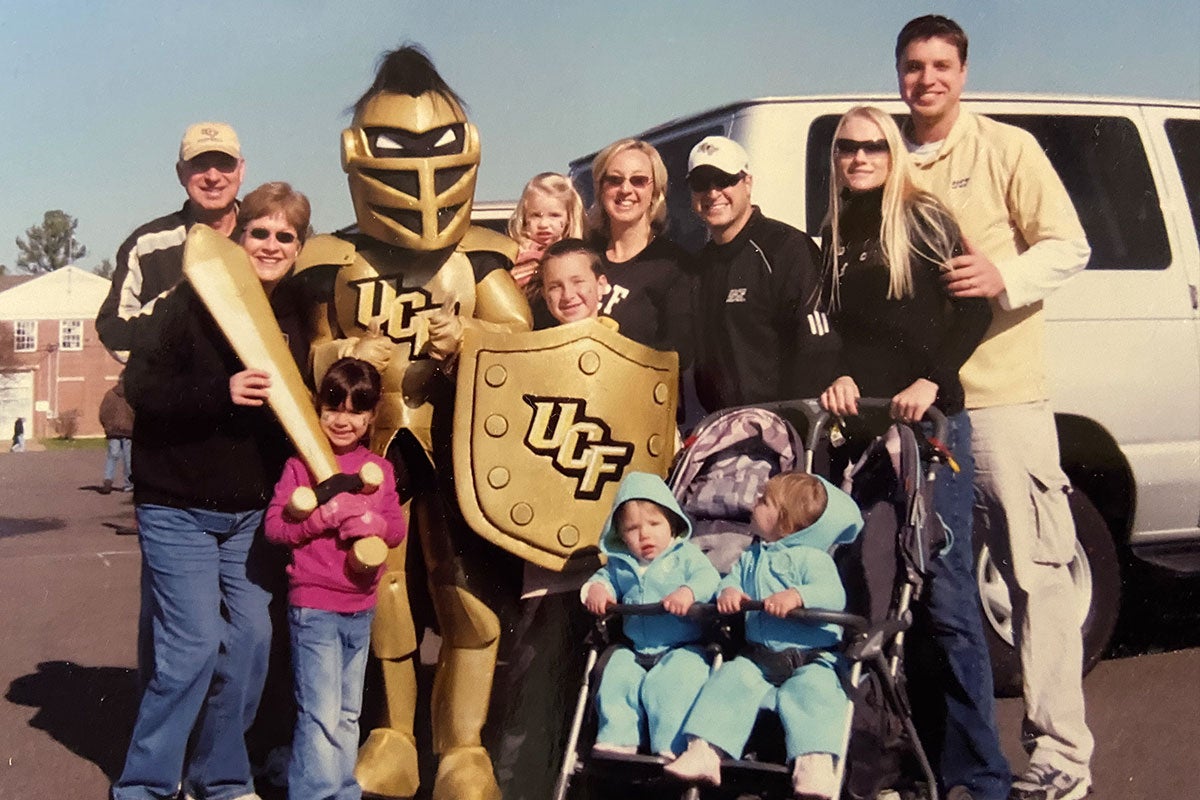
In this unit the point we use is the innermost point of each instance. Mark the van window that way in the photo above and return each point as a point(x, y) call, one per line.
point(683, 227)
point(1100, 160)
point(1184, 135)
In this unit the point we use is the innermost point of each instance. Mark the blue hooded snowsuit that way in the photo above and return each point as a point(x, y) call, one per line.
point(665, 691)
point(811, 703)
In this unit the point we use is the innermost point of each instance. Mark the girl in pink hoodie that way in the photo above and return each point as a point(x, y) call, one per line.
point(331, 599)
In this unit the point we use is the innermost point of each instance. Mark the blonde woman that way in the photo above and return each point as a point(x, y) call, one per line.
point(886, 246)
point(649, 295)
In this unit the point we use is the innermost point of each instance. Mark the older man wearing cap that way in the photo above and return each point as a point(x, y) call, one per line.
point(759, 333)
point(150, 261)
point(208, 468)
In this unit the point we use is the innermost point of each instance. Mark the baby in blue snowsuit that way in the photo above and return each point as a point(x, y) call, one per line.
point(650, 561)
point(798, 517)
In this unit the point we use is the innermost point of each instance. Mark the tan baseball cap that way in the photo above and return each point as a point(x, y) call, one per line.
point(204, 137)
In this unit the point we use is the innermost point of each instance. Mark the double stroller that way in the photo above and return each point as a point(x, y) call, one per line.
point(717, 479)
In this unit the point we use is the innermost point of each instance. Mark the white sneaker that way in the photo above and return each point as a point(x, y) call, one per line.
point(1043, 782)
point(700, 763)
point(813, 775)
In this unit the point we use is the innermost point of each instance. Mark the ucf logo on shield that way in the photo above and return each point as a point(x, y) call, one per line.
point(545, 425)
point(579, 446)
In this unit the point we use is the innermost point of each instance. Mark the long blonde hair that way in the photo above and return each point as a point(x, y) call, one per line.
point(597, 218)
point(913, 221)
point(552, 185)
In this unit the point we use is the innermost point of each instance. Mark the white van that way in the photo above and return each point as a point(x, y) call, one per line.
point(1124, 336)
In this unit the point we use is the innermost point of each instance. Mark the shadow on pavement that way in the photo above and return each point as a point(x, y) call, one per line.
point(20, 526)
point(89, 710)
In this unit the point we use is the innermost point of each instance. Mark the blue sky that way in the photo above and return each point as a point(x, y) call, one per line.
point(96, 93)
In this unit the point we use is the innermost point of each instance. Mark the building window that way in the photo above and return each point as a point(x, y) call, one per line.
point(70, 334)
point(25, 335)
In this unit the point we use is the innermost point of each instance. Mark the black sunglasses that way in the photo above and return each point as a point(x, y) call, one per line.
point(283, 237)
point(713, 180)
point(850, 147)
point(617, 181)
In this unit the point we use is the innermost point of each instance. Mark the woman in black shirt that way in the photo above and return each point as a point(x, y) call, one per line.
point(886, 246)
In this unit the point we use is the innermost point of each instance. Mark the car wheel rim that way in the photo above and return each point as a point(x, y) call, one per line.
point(993, 592)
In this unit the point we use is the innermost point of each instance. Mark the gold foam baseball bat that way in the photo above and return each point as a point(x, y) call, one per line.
point(223, 277)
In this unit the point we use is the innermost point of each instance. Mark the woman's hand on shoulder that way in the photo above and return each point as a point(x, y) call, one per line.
point(911, 404)
point(841, 398)
point(250, 387)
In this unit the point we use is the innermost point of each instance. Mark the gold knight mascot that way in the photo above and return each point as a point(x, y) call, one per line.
point(408, 281)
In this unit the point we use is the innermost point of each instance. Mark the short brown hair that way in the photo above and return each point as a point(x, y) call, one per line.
point(568, 247)
point(932, 26)
point(272, 198)
point(801, 499)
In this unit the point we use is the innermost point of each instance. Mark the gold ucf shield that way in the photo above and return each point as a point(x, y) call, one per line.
point(546, 424)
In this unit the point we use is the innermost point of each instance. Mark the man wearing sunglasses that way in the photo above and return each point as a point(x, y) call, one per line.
point(759, 335)
point(1023, 240)
point(150, 262)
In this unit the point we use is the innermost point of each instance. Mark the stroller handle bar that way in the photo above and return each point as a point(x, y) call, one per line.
point(818, 616)
point(819, 419)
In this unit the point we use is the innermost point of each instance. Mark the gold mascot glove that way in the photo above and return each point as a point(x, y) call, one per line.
point(375, 348)
point(445, 331)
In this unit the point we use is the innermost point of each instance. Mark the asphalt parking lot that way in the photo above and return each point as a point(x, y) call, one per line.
point(69, 593)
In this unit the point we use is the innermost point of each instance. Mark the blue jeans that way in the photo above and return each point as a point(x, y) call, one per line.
point(211, 641)
point(118, 450)
point(329, 659)
point(964, 746)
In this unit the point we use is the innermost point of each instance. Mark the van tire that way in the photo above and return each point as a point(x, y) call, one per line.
point(1096, 568)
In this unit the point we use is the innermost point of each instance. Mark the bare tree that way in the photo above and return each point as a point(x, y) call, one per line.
point(105, 270)
point(51, 245)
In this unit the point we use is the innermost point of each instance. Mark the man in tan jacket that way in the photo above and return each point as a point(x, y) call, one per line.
point(1023, 241)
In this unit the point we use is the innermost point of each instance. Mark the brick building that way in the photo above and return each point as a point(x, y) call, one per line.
point(53, 368)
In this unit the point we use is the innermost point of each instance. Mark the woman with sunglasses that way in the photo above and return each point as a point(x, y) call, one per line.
point(649, 293)
point(272, 224)
point(206, 454)
point(886, 245)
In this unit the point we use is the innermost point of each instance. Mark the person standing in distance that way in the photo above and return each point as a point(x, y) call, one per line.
point(759, 334)
point(1023, 239)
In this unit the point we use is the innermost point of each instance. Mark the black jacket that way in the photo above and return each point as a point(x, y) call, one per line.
point(192, 447)
point(760, 336)
point(889, 343)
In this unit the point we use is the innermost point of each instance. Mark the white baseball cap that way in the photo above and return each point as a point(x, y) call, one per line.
point(719, 152)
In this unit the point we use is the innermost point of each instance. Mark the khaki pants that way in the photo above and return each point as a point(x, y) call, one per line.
point(1027, 524)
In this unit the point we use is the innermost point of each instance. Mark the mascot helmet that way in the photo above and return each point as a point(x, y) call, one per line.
point(411, 156)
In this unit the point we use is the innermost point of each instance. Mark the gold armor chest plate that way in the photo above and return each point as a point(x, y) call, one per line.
point(398, 294)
